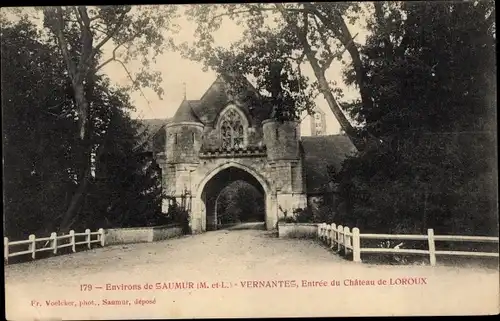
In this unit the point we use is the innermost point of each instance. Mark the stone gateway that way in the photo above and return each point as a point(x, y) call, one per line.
point(224, 137)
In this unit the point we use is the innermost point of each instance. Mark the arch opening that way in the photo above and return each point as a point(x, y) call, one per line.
point(228, 197)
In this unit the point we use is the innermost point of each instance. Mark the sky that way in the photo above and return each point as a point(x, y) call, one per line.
point(185, 77)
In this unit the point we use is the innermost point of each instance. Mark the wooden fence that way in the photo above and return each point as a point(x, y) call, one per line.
point(342, 239)
point(53, 243)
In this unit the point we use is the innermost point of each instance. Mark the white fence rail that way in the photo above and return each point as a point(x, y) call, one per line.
point(342, 239)
point(52, 243)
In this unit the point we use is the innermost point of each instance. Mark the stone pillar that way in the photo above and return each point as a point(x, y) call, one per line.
point(184, 178)
point(288, 185)
point(289, 202)
point(271, 211)
point(161, 159)
point(282, 141)
point(198, 216)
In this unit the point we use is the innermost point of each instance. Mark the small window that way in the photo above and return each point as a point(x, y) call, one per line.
point(175, 139)
point(192, 136)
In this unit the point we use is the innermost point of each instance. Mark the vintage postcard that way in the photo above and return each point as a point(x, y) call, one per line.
point(250, 160)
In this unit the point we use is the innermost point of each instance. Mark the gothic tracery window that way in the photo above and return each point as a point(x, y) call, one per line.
point(232, 130)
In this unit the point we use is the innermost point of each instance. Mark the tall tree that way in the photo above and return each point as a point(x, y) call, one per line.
point(41, 139)
point(37, 114)
point(431, 69)
point(141, 31)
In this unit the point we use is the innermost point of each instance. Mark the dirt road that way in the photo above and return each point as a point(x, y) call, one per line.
point(247, 273)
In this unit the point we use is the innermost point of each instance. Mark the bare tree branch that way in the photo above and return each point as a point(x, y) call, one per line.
point(77, 20)
point(297, 59)
point(255, 8)
point(113, 57)
point(339, 54)
point(113, 32)
point(326, 64)
point(123, 43)
point(324, 87)
point(133, 81)
point(95, 17)
point(62, 41)
point(299, 70)
point(87, 42)
point(84, 16)
point(339, 27)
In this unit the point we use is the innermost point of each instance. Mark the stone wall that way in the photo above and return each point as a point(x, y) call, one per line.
point(141, 234)
point(298, 230)
point(166, 232)
point(282, 140)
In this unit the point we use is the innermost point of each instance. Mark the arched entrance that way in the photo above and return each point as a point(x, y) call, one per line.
point(212, 197)
point(240, 202)
point(210, 188)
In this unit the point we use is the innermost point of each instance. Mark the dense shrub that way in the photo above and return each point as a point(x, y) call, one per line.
point(304, 215)
point(300, 215)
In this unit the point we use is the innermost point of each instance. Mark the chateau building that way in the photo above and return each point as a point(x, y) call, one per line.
point(222, 137)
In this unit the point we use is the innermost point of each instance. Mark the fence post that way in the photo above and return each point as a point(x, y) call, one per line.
point(72, 238)
point(432, 246)
point(319, 231)
point(356, 245)
point(101, 231)
point(53, 237)
point(334, 236)
point(340, 228)
point(347, 239)
point(330, 239)
point(32, 246)
point(6, 249)
point(87, 231)
point(327, 236)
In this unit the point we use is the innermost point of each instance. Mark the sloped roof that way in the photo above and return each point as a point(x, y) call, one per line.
point(320, 152)
point(185, 112)
point(216, 97)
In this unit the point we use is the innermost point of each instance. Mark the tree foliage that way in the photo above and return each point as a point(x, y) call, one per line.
point(285, 35)
point(426, 78)
point(41, 145)
point(431, 69)
point(37, 115)
point(240, 202)
point(81, 34)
